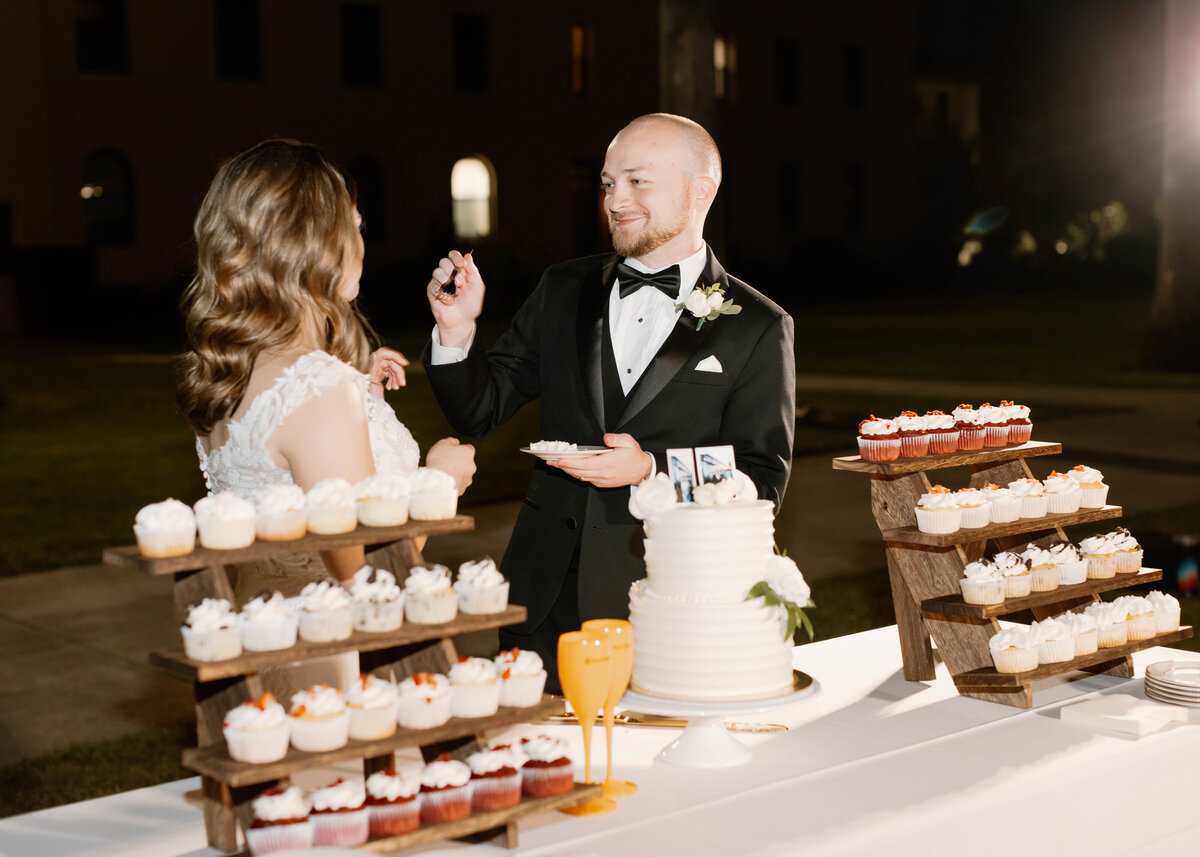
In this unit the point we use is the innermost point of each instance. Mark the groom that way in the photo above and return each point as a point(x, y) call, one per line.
point(602, 343)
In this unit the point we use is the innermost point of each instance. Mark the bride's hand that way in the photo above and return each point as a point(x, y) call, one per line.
point(457, 459)
point(387, 371)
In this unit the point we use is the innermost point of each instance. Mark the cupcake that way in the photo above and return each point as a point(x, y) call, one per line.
point(445, 791)
point(165, 529)
point(434, 495)
point(983, 584)
point(474, 691)
point(943, 435)
point(1101, 556)
point(210, 632)
point(331, 507)
point(1003, 506)
point(547, 768)
point(1139, 617)
point(371, 702)
point(1032, 495)
point(256, 731)
point(1018, 582)
point(1062, 493)
point(429, 598)
point(495, 779)
point(994, 420)
point(383, 500)
point(393, 803)
point(339, 815)
point(1020, 428)
point(975, 510)
point(319, 719)
point(1014, 650)
point(914, 438)
point(522, 678)
point(1128, 553)
point(1110, 623)
point(878, 439)
point(326, 612)
point(1166, 611)
point(1072, 568)
point(279, 513)
point(378, 602)
point(225, 521)
point(1083, 629)
point(970, 430)
point(268, 623)
point(280, 822)
point(938, 512)
point(480, 587)
point(1055, 642)
point(423, 701)
point(1093, 491)
point(1042, 568)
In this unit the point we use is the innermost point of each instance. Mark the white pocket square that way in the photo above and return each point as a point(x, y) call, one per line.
point(709, 364)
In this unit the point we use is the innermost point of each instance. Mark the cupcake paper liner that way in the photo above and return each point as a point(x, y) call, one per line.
point(524, 691)
point(994, 436)
point(870, 449)
point(974, 517)
point(1015, 660)
point(1044, 579)
point(1101, 567)
point(474, 700)
point(377, 617)
point(257, 745)
point(1073, 572)
point(163, 545)
point(379, 512)
point(340, 829)
point(318, 735)
point(326, 625)
point(279, 837)
point(1093, 498)
point(371, 724)
point(970, 439)
point(1005, 511)
point(943, 442)
point(1034, 507)
point(226, 535)
point(547, 781)
point(1113, 635)
point(392, 819)
point(488, 793)
point(1020, 432)
point(1166, 620)
point(283, 527)
point(219, 645)
point(445, 804)
point(1062, 504)
point(1018, 585)
point(1142, 627)
point(1128, 562)
point(1087, 642)
point(938, 520)
point(433, 506)
point(1056, 651)
point(333, 520)
point(914, 445)
point(413, 712)
point(492, 599)
point(430, 608)
point(269, 636)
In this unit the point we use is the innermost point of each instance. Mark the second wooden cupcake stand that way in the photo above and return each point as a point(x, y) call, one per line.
point(229, 787)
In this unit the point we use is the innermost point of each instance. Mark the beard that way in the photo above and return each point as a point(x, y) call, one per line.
point(651, 235)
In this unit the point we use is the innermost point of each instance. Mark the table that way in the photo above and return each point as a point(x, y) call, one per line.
point(871, 761)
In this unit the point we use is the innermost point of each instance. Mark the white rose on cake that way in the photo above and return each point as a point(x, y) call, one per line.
point(785, 587)
point(655, 494)
point(716, 493)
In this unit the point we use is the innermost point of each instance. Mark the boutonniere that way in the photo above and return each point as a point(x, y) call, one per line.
point(707, 303)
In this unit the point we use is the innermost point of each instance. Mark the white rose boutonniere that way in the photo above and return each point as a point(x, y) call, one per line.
point(706, 303)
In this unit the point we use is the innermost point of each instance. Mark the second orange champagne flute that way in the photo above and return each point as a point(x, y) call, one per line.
point(584, 669)
point(620, 634)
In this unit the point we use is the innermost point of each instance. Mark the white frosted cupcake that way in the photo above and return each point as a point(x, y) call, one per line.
point(165, 529)
point(423, 701)
point(1093, 491)
point(393, 803)
point(474, 691)
point(268, 623)
point(1128, 555)
point(279, 513)
point(331, 507)
point(1110, 623)
point(1083, 629)
point(970, 430)
point(878, 439)
point(372, 705)
point(938, 512)
point(256, 731)
point(995, 424)
point(1003, 506)
point(339, 815)
point(1100, 553)
point(378, 601)
point(1139, 616)
point(547, 768)
point(495, 778)
point(522, 677)
point(983, 584)
point(1042, 568)
point(1014, 650)
point(943, 433)
point(1056, 643)
point(434, 495)
point(481, 587)
point(914, 437)
point(280, 822)
point(974, 506)
point(210, 632)
point(1020, 427)
point(1072, 568)
point(1014, 570)
point(225, 521)
point(383, 500)
point(1062, 493)
point(1032, 495)
point(319, 719)
point(326, 612)
point(429, 597)
point(1166, 611)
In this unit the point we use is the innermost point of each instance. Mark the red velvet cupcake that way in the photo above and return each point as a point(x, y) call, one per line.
point(445, 791)
point(970, 430)
point(339, 815)
point(914, 437)
point(1020, 428)
point(943, 434)
point(495, 778)
point(995, 425)
point(280, 822)
point(878, 439)
point(393, 803)
point(547, 770)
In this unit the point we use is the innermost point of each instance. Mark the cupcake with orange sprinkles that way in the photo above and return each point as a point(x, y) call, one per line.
point(878, 439)
point(943, 433)
point(938, 511)
point(970, 428)
point(914, 437)
point(1020, 427)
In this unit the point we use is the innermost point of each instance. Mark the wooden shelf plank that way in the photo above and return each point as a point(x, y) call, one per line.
point(902, 466)
point(214, 761)
point(986, 678)
point(248, 663)
point(953, 605)
point(130, 557)
point(913, 536)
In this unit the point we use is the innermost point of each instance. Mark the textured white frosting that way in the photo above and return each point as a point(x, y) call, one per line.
point(967, 415)
point(429, 685)
point(478, 574)
point(1017, 413)
point(1106, 614)
point(1027, 487)
point(279, 498)
point(323, 596)
point(877, 426)
point(1012, 638)
point(377, 585)
point(211, 614)
point(1162, 602)
point(473, 671)
point(1086, 475)
point(224, 506)
point(938, 500)
point(1098, 546)
point(266, 608)
point(992, 415)
point(320, 700)
point(392, 785)
point(715, 493)
point(1064, 552)
point(1037, 556)
point(1133, 605)
point(981, 569)
point(1050, 630)
point(1078, 623)
point(1009, 564)
point(488, 761)
point(277, 805)
point(996, 494)
point(370, 691)
point(1123, 540)
point(969, 497)
point(1060, 483)
point(383, 486)
point(334, 492)
point(910, 421)
point(256, 715)
point(170, 514)
point(519, 662)
point(343, 794)
point(938, 421)
point(426, 579)
point(543, 748)
point(553, 446)
point(444, 774)
point(432, 479)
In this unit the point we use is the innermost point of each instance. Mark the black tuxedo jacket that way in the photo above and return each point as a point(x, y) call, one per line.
point(553, 350)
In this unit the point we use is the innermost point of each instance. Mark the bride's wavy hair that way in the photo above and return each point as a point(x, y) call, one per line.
point(274, 238)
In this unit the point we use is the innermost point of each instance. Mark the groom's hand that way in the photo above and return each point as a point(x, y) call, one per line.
point(627, 464)
point(455, 314)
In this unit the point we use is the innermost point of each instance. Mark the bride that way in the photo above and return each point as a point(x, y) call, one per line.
point(278, 382)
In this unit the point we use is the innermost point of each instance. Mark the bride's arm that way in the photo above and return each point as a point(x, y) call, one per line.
point(325, 437)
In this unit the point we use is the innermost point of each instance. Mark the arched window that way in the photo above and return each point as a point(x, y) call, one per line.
point(473, 197)
point(106, 190)
point(368, 175)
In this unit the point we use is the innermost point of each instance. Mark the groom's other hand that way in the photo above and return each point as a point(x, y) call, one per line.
point(627, 464)
point(455, 314)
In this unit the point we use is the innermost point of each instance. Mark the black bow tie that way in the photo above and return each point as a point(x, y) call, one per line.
point(666, 280)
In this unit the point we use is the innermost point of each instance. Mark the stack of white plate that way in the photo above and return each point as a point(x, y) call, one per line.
point(1176, 682)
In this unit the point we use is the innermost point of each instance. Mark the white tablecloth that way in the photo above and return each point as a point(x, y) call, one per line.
point(872, 764)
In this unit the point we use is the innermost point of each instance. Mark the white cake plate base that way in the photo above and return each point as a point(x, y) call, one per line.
point(706, 743)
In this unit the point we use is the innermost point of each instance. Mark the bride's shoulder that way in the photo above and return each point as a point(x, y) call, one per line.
point(320, 365)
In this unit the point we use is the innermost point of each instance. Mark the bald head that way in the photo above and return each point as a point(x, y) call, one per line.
point(701, 155)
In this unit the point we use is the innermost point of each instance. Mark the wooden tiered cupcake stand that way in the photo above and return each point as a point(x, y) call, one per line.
point(925, 570)
point(229, 787)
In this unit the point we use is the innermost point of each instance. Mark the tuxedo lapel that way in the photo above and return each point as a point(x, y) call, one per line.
point(589, 333)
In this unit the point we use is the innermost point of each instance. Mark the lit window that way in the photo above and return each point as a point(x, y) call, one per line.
point(720, 66)
point(472, 194)
point(581, 58)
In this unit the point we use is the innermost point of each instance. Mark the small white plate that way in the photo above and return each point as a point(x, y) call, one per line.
point(1183, 673)
point(1159, 687)
point(555, 454)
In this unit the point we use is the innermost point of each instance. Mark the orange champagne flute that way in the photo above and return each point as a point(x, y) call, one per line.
point(584, 667)
point(620, 633)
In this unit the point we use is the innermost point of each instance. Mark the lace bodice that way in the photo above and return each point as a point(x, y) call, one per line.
point(243, 464)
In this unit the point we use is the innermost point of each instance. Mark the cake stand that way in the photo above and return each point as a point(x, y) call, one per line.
point(706, 743)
